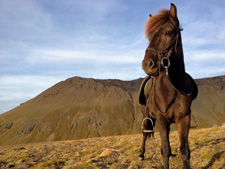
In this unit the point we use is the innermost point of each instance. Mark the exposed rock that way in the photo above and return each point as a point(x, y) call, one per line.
point(214, 125)
point(18, 149)
point(106, 152)
point(8, 126)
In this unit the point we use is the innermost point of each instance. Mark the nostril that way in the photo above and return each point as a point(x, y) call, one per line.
point(151, 64)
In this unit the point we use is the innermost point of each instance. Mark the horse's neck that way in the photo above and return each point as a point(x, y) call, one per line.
point(177, 72)
point(177, 69)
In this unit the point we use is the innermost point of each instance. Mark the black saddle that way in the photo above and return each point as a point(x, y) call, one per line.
point(189, 89)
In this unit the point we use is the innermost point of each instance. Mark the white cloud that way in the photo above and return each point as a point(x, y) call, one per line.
point(206, 56)
point(204, 71)
point(26, 81)
point(24, 85)
point(16, 89)
point(205, 63)
point(42, 40)
point(203, 37)
point(24, 20)
point(54, 56)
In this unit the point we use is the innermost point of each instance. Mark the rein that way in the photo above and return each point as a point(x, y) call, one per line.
point(167, 52)
point(164, 55)
point(170, 47)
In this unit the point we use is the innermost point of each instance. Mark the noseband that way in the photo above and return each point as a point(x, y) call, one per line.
point(167, 52)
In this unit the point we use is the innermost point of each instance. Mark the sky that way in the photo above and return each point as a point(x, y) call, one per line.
point(43, 42)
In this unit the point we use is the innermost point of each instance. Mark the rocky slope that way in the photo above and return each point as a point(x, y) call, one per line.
point(207, 148)
point(82, 108)
point(209, 107)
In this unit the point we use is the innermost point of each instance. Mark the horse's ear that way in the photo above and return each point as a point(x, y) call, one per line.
point(150, 15)
point(173, 11)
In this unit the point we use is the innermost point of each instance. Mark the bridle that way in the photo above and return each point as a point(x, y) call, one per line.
point(164, 55)
point(167, 52)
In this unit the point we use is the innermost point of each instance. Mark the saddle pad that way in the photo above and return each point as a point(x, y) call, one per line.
point(187, 87)
point(194, 87)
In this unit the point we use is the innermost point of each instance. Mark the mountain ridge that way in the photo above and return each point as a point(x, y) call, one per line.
point(85, 107)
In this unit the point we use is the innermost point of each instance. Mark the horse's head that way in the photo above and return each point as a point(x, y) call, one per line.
point(163, 32)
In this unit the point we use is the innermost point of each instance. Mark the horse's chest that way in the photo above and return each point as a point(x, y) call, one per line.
point(162, 96)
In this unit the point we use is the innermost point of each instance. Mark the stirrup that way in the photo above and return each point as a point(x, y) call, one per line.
point(142, 126)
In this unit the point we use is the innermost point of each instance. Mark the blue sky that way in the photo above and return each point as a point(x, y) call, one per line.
point(43, 42)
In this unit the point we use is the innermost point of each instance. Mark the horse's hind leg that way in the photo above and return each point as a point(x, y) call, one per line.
point(183, 126)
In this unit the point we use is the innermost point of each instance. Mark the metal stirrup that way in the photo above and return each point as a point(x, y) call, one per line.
point(142, 126)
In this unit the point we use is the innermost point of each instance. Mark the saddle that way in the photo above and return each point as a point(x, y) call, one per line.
point(190, 88)
point(142, 96)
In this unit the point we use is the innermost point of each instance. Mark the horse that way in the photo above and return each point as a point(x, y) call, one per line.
point(167, 92)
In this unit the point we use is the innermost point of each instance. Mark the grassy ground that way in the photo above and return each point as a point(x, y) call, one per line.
point(207, 151)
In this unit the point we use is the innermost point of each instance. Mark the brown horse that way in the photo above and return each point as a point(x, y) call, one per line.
point(167, 93)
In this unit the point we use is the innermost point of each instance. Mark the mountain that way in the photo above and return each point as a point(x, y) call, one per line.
point(82, 108)
point(209, 107)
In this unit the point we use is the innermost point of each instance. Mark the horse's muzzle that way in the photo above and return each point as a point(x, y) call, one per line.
point(150, 67)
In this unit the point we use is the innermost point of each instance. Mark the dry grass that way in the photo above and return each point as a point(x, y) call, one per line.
point(207, 151)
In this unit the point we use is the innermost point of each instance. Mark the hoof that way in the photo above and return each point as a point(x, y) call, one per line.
point(141, 157)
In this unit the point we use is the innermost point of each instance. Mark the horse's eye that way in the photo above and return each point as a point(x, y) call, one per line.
point(168, 33)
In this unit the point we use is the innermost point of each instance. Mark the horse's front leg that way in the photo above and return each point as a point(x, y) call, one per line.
point(183, 126)
point(164, 129)
point(145, 125)
point(142, 150)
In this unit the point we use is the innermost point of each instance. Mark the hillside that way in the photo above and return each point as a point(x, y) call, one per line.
point(207, 148)
point(209, 107)
point(73, 109)
point(83, 108)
